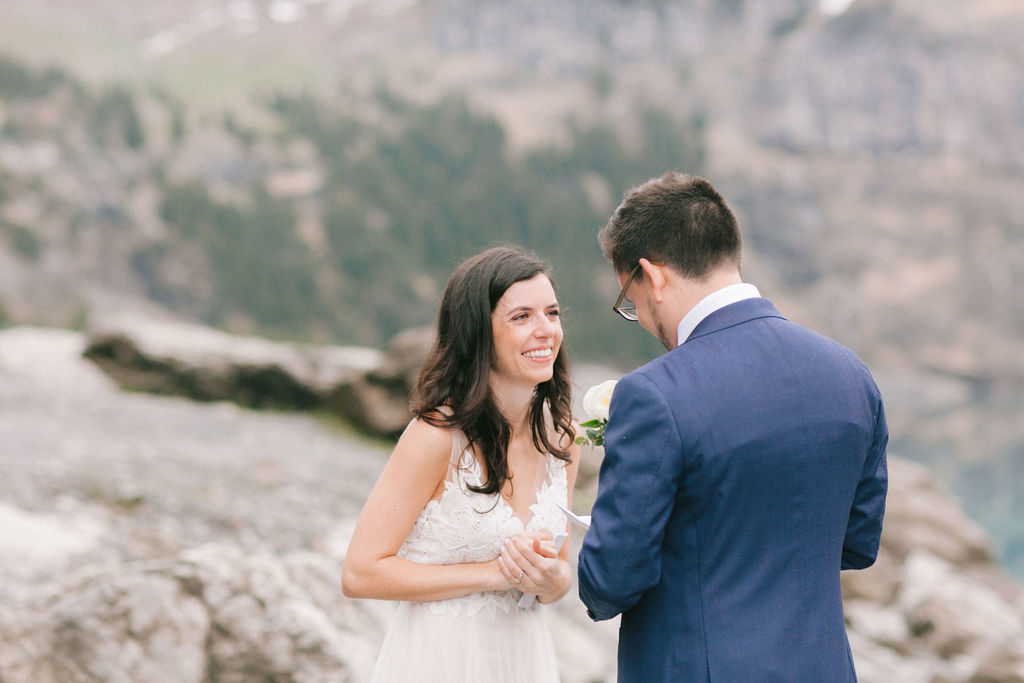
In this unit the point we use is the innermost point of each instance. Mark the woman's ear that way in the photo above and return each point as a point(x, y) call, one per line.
point(655, 273)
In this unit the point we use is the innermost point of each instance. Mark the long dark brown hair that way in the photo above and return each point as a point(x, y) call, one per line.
point(457, 370)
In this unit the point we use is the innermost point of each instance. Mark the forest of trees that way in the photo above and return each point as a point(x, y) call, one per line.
point(405, 195)
point(402, 204)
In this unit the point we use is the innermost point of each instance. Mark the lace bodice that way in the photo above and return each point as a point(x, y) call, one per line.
point(465, 526)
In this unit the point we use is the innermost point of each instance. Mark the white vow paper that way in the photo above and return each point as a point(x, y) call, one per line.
point(582, 521)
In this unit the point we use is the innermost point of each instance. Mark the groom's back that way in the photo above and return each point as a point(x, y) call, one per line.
point(776, 423)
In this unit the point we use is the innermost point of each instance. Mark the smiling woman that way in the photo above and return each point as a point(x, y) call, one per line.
point(527, 335)
point(461, 523)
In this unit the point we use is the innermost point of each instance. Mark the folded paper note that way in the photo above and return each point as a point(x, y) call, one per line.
point(582, 521)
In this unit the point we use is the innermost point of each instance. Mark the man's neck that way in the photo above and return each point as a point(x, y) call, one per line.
point(720, 298)
point(691, 292)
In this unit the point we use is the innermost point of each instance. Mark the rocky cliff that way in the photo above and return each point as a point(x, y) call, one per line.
point(150, 537)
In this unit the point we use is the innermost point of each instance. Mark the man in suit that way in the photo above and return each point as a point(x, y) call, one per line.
point(743, 469)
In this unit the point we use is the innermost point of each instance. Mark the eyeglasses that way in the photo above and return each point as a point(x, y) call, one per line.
point(623, 306)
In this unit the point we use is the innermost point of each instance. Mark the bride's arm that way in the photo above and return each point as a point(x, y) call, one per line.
point(414, 473)
point(546, 574)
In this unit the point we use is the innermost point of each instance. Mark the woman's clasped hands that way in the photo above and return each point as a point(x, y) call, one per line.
point(530, 563)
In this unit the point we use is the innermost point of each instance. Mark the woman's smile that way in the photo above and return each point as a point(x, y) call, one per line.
point(527, 332)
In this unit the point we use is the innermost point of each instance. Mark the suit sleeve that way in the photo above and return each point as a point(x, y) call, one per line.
point(621, 554)
point(864, 530)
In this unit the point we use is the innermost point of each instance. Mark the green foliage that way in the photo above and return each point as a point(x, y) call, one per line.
point(671, 145)
point(788, 24)
point(602, 83)
point(25, 242)
point(594, 432)
point(177, 124)
point(410, 199)
point(258, 265)
point(20, 81)
point(176, 110)
point(188, 209)
point(115, 119)
point(335, 136)
point(404, 200)
point(246, 136)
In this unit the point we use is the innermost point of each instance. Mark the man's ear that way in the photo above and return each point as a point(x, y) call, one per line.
point(655, 273)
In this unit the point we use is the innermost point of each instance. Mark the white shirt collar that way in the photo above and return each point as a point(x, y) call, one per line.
point(711, 303)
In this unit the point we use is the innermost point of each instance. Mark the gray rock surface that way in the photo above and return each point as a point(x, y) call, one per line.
point(155, 538)
point(377, 401)
point(210, 613)
point(366, 387)
point(934, 607)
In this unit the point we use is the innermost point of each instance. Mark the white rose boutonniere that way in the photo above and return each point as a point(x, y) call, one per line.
point(595, 405)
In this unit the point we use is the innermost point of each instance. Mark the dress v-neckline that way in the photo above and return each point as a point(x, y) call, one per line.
point(461, 452)
point(540, 480)
point(525, 521)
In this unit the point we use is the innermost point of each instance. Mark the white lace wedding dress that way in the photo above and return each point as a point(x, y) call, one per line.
point(482, 637)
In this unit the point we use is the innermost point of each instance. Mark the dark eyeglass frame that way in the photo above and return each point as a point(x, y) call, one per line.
point(627, 312)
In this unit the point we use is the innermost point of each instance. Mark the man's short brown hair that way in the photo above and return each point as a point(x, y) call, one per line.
point(679, 220)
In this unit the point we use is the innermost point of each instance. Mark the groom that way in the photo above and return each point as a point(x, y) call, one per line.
point(743, 469)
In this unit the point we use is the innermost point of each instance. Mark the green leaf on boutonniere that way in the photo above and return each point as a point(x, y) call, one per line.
point(594, 432)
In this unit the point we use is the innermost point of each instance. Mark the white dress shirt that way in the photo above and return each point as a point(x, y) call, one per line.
point(711, 303)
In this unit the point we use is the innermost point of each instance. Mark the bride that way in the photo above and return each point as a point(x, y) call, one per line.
point(461, 523)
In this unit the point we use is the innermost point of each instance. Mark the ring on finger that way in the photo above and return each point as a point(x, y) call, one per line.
point(520, 577)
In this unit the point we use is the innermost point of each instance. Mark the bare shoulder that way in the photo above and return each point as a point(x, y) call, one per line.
point(425, 441)
point(574, 451)
point(574, 457)
point(566, 442)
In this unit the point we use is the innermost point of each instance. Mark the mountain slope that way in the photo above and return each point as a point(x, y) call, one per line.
point(873, 152)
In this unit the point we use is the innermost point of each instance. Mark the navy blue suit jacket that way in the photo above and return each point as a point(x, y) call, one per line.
point(742, 471)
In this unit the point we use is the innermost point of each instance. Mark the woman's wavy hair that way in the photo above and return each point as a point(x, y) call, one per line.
point(457, 370)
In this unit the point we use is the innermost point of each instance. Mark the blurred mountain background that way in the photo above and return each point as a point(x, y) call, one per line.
point(313, 170)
